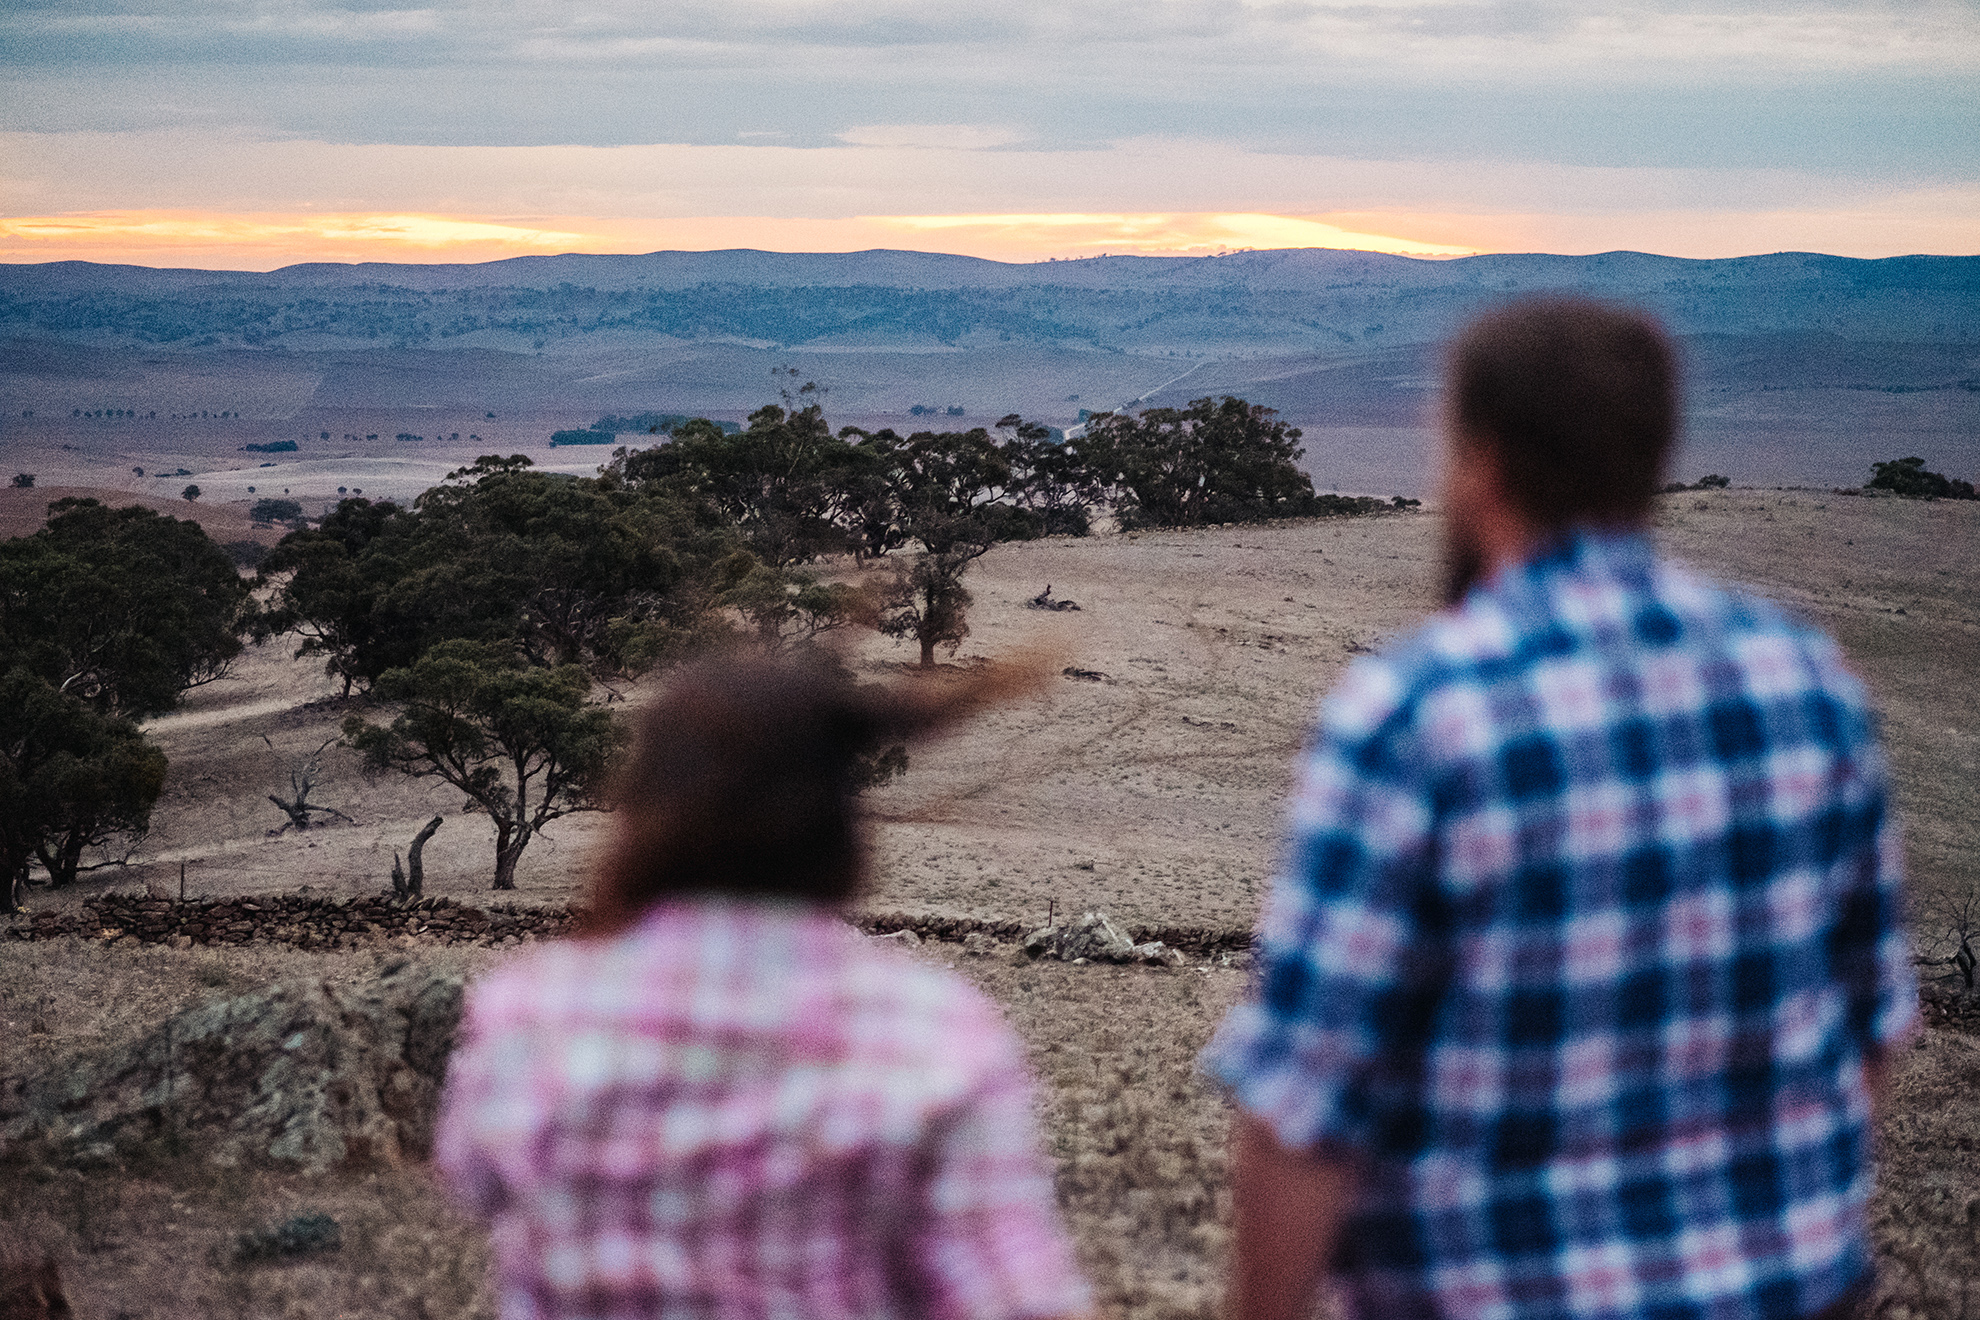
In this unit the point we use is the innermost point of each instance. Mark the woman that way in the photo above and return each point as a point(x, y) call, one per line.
point(726, 1101)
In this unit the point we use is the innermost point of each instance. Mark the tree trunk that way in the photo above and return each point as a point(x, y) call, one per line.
point(13, 879)
point(65, 862)
point(297, 813)
point(510, 840)
point(927, 651)
point(416, 878)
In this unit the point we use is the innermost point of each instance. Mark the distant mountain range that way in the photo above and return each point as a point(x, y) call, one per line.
point(1803, 367)
point(1297, 301)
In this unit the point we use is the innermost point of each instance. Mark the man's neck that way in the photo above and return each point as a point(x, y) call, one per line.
point(1503, 537)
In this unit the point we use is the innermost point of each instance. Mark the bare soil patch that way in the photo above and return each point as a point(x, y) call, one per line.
point(23, 511)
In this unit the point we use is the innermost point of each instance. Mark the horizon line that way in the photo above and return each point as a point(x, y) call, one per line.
point(11, 262)
point(266, 241)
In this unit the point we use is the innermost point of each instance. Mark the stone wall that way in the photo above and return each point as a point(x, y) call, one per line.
point(316, 921)
point(305, 921)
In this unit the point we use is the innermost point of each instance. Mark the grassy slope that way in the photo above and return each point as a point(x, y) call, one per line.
point(1212, 671)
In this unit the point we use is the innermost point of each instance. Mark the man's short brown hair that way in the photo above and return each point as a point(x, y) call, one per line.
point(1578, 401)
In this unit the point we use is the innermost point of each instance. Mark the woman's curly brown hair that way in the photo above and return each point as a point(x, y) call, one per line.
point(745, 774)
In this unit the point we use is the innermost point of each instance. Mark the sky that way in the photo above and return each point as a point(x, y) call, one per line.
point(250, 134)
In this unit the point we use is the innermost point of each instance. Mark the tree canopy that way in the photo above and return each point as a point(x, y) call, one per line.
point(779, 482)
point(520, 740)
point(569, 571)
point(106, 616)
point(122, 608)
point(1212, 462)
point(484, 610)
point(71, 778)
point(1908, 477)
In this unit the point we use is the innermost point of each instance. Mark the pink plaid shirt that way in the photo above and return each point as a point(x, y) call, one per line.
point(749, 1110)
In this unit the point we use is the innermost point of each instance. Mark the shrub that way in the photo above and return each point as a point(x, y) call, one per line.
point(24, 481)
point(1712, 481)
point(1908, 477)
point(274, 510)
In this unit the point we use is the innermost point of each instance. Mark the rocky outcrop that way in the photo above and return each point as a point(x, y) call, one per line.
point(304, 1073)
point(1093, 938)
point(1215, 944)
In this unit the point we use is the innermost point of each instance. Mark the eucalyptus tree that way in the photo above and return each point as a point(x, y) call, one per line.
point(124, 609)
point(522, 741)
point(1212, 462)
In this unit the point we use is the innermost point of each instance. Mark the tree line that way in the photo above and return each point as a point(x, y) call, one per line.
point(486, 614)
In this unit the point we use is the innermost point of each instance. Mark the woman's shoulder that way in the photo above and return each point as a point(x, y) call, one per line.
point(768, 965)
point(903, 1007)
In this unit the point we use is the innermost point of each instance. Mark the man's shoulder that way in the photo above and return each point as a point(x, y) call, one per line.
point(1774, 645)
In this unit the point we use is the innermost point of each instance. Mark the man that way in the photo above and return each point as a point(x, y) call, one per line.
point(1574, 991)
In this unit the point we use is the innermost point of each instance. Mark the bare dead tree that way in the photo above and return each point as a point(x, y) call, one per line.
point(1961, 918)
point(1965, 921)
point(302, 781)
point(410, 882)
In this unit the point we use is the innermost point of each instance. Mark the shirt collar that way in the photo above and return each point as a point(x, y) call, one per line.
point(1616, 554)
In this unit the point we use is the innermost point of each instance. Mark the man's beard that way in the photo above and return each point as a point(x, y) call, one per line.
point(1463, 565)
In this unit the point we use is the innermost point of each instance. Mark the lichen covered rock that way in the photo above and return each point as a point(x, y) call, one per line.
point(1094, 938)
point(304, 1073)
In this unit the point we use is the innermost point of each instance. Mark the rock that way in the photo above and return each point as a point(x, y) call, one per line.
point(1157, 954)
point(303, 1073)
point(976, 944)
point(1092, 938)
point(299, 1235)
point(903, 937)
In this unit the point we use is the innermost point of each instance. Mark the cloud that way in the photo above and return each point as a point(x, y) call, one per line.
point(950, 137)
point(1937, 33)
point(1184, 234)
point(261, 241)
point(226, 172)
point(1575, 116)
point(167, 237)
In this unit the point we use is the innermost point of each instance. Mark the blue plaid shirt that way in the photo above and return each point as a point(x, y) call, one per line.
point(1588, 923)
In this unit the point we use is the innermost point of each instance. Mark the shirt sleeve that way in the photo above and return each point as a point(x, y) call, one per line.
point(1348, 973)
point(1871, 949)
point(991, 1246)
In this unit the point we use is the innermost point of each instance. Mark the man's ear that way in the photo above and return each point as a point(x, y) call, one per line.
point(1476, 473)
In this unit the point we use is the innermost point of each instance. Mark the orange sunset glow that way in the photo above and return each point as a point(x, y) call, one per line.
point(268, 240)
point(264, 241)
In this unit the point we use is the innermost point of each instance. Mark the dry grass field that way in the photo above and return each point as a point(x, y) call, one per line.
point(1148, 788)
